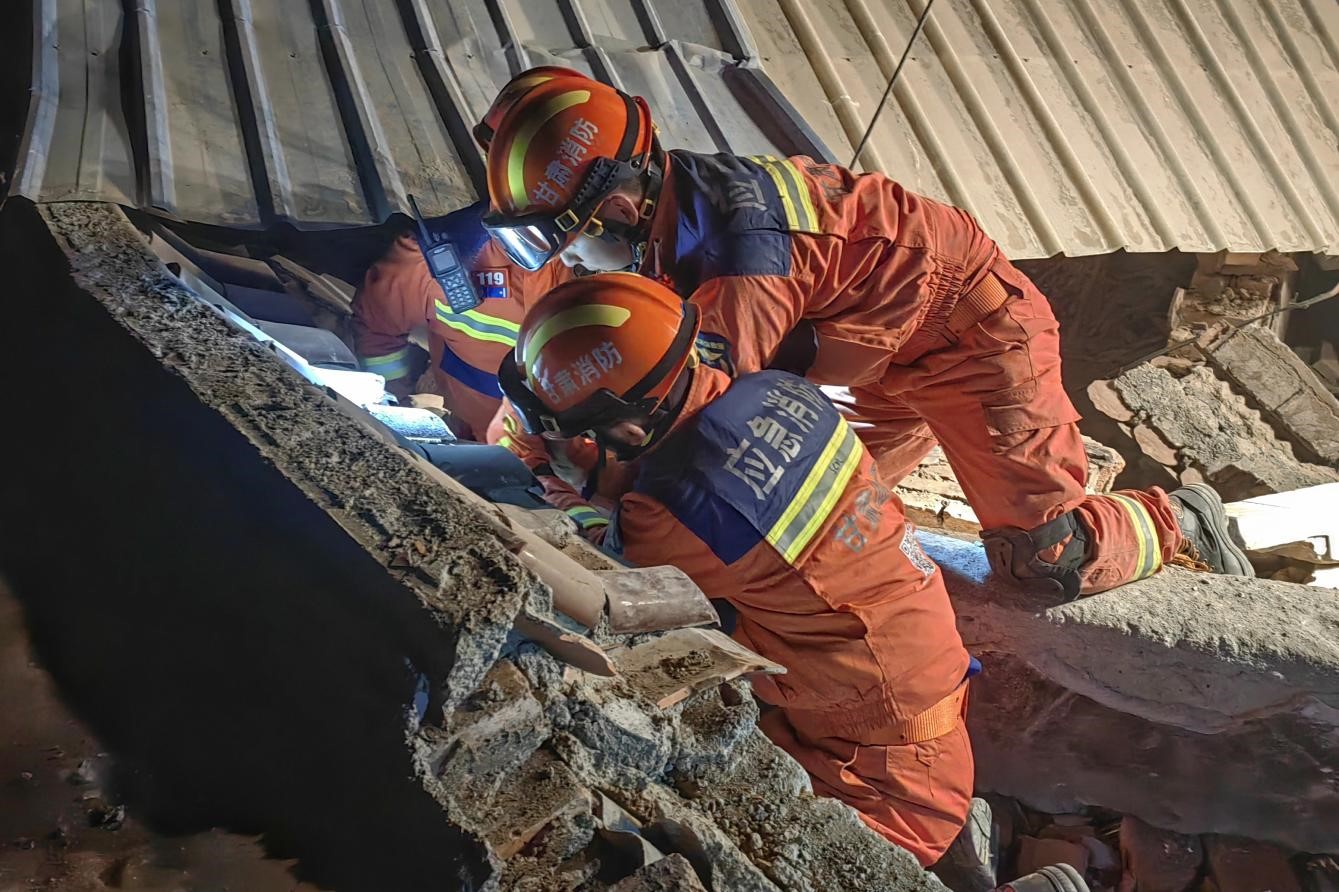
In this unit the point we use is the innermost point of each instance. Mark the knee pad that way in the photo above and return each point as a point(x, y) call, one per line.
point(1015, 554)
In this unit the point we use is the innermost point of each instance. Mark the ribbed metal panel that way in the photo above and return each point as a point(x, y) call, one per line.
point(1084, 126)
point(321, 113)
point(1066, 126)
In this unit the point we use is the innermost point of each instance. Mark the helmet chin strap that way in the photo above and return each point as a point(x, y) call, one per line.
point(636, 234)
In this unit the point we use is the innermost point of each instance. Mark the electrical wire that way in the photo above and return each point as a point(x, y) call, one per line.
point(892, 81)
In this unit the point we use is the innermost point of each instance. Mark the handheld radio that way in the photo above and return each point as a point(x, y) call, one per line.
point(446, 266)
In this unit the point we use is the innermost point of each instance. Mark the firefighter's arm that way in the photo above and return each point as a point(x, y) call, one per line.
point(506, 431)
point(746, 318)
point(396, 295)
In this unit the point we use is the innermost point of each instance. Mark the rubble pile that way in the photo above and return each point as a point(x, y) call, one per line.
point(579, 782)
point(1139, 699)
point(1233, 287)
point(1230, 403)
point(1200, 430)
point(1120, 853)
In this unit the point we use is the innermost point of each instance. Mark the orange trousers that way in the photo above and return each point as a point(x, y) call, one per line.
point(916, 795)
point(995, 402)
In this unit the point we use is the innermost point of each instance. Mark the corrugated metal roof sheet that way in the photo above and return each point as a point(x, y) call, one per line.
point(329, 112)
point(1084, 126)
point(1078, 127)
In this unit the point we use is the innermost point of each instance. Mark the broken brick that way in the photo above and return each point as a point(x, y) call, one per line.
point(1159, 860)
point(1243, 865)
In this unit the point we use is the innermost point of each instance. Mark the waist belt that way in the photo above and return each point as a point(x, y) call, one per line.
point(974, 306)
point(925, 726)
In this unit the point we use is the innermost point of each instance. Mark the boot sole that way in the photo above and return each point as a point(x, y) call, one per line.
point(1208, 503)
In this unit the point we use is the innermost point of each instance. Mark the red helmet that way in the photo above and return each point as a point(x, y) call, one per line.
point(560, 148)
point(484, 130)
point(598, 350)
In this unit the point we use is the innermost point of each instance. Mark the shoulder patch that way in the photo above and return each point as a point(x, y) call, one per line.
point(767, 461)
point(732, 221)
point(714, 351)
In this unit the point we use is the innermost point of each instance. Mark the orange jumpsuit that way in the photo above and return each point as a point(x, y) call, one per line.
point(764, 496)
point(398, 294)
point(915, 309)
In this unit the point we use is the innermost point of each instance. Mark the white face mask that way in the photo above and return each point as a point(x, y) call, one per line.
point(599, 255)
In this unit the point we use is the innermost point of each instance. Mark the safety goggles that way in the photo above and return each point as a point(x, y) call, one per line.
point(532, 240)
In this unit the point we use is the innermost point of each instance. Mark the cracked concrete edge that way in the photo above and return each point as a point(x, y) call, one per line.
point(457, 574)
point(1192, 650)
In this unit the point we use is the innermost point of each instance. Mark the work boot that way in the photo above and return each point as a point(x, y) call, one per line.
point(1207, 545)
point(1056, 878)
point(969, 864)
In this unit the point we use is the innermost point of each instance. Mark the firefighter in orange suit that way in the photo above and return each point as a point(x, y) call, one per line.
point(905, 301)
point(760, 491)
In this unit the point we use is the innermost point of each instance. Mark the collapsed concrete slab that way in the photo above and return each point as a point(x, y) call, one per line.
point(1198, 703)
point(284, 623)
point(1284, 388)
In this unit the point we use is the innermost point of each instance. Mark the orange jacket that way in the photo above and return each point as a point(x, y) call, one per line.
point(761, 243)
point(398, 294)
point(764, 496)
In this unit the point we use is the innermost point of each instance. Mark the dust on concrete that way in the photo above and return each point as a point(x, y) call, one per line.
point(457, 570)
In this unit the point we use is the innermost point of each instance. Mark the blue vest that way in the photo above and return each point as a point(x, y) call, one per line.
point(768, 460)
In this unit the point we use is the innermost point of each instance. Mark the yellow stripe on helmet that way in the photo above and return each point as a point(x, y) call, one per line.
point(521, 143)
point(576, 317)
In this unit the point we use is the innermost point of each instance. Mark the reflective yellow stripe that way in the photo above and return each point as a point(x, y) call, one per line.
point(521, 142)
point(506, 442)
point(795, 198)
point(479, 326)
point(587, 517)
point(577, 317)
point(819, 493)
point(1150, 549)
point(389, 365)
point(805, 203)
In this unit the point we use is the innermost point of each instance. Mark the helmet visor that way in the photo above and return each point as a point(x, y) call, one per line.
point(529, 242)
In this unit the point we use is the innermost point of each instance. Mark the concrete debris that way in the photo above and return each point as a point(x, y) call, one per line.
point(672, 874)
point(1232, 287)
point(1202, 682)
point(934, 499)
point(1240, 865)
point(1202, 431)
point(1159, 860)
point(670, 669)
point(1282, 387)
